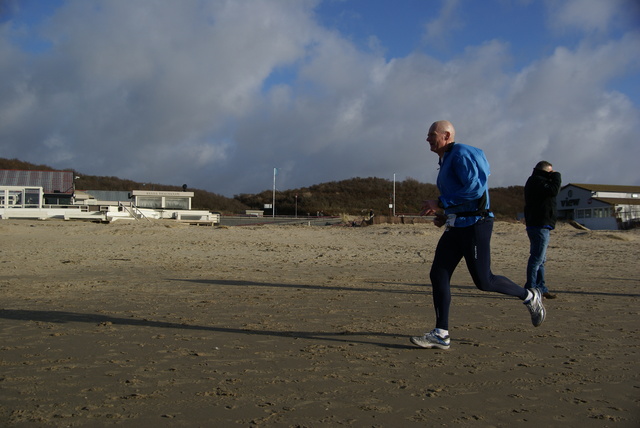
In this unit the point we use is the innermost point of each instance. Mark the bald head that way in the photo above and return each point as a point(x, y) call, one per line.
point(441, 134)
point(446, 126)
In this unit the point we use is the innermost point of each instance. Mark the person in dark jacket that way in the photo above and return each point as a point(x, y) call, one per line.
point(540, 193)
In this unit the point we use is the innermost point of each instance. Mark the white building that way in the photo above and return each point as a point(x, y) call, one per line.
point(53, 194)
point(600, 206)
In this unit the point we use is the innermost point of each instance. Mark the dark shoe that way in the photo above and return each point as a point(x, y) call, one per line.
point(548, 295)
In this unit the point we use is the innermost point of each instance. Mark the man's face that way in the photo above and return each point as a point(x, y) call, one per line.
point(437, 140)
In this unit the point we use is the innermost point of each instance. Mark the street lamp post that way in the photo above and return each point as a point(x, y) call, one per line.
point(273, 206)
point(394, 194)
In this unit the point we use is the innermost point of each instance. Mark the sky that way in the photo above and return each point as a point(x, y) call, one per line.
point(215, 94)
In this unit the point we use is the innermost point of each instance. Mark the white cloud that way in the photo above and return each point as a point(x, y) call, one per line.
point(560, 110)
point(438, 30)
point(591, 15)
point(181, 92)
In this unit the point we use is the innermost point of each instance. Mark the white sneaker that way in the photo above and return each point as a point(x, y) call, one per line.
point(431, 340)
point(536, 308)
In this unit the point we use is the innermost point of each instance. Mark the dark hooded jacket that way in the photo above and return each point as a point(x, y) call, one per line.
point(540, 193)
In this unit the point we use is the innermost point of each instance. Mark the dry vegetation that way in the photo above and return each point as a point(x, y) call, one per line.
point(355, 196)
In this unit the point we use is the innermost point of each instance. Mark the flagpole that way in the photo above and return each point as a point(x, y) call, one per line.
point(273, 206)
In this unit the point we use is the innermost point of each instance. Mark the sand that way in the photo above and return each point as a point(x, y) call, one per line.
point(142, 324)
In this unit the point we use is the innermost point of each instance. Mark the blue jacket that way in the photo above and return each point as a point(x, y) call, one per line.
point(463, 184)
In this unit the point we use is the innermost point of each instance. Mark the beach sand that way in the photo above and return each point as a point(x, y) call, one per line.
point(158, 323)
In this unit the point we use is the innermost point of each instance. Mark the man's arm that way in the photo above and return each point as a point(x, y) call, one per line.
point(554, 183)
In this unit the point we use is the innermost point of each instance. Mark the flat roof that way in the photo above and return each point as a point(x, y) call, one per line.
point(161, 193)
point(606, 187)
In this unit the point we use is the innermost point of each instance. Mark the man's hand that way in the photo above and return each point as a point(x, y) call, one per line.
point(440, 220)
point(429, 207)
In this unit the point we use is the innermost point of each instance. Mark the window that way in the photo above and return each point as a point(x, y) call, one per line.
point(32, 198)
point(15, 199)
point(177, 203)
point(583, 213)
point(602, 212)
point(149, 201)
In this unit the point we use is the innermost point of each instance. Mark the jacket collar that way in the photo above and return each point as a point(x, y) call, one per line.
point(447, 149)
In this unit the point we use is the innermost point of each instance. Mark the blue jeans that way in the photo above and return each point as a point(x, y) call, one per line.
point(539, 240)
